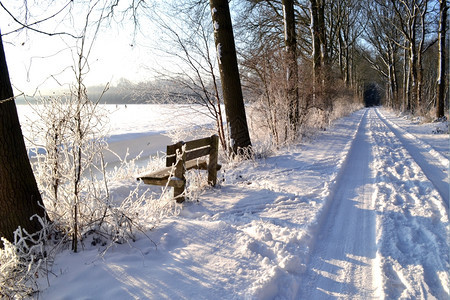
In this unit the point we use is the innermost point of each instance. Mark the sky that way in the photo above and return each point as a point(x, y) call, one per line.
point(43, 64)
point(39, 63)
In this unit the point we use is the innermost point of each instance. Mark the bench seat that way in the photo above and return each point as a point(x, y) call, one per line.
point(161, 176)
point(181, 157)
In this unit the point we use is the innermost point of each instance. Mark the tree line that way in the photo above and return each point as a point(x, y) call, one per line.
point(407, 49)
point(398, 45)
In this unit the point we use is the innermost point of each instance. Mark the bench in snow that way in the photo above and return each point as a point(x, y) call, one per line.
point(184, 156)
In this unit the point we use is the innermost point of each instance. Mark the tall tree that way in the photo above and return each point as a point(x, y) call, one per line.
point(290, 41)
point(440, 99)
point(19, 194)
point(321, 67)
point(229, 76)
point(346, 16)
point(318, 40)
point(411, 14)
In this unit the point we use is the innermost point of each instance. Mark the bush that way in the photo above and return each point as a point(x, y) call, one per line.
point(23, 262)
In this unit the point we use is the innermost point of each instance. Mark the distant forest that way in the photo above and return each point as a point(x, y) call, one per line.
point(162, 91)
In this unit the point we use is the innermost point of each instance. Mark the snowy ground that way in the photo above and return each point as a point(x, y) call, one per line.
point(359, 212)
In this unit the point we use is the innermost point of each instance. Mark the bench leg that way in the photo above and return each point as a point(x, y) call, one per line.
point(178, 194)
point(179, 172)
point(213, 157)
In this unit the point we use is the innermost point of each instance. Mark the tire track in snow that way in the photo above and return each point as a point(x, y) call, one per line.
point(426, 134)
point(411, 221)
point(384, 235)
point(344, 263)
point(433, 164)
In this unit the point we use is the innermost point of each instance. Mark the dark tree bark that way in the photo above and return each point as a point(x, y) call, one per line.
point(319, 48)
point(406, 89)
point(290, 41)
point(420, 51)
point(442, 58)
point(19, 194)
point(229, 76)
point(316, 42)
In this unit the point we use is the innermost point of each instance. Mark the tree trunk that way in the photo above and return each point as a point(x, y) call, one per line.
point(413, 70)
point(419, 87)
point(440, 100)
point(319, 54)
point(290, 41)
point(341, 55)
point(390, 88)
point(315, 43)
point(393, 84)
point(346, 49)
point(322, 38)
point(406, 94)
point(229, 76)
point(19, 194)
point(394, 62)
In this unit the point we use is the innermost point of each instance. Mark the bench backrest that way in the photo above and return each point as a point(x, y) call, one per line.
point(194, 149)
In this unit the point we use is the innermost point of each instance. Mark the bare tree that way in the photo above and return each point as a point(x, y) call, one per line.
point(319, 47)
point(229, 76)
point(318, 29)
point(441, 82)
point(411, 16)
point(19, 195)
point(23, 188)
point(346, 18)
point(267, 66)
point(290, 40)
point(381, 33)
point(408, 25)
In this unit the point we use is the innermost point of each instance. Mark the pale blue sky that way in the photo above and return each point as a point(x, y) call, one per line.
point(38, 62)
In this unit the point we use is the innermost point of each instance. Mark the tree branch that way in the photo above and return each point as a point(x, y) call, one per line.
point(29, 26)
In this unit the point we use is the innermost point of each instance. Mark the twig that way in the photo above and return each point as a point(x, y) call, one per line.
point(10, 98)
point(29, 26)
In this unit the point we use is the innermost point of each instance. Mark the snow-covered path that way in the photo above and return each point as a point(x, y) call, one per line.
point(411, 193)
point(433, 163)
point(359, 212)
point(343, 263)
point(372, 225)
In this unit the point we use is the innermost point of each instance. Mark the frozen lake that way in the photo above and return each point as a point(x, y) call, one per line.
point(138, 128)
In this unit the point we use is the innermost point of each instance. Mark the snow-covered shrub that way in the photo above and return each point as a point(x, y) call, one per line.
point(272, 119)
point(131, 217)
point(24, 261)
point(269, 119)
point(69, 169)
point(16, 281)
point(344, 105)
point(78, 191)
point(269, 123)
point(441, 126)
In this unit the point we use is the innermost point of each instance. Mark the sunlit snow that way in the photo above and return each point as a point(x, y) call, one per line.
point(356, 213)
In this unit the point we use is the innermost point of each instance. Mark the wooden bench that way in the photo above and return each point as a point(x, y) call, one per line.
point(188, 158)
